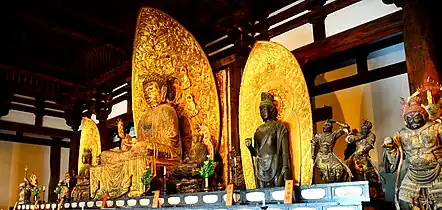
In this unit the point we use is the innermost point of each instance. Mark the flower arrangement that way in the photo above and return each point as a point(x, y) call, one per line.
point(147, 176)
point(208, 168)
point(59, 188)
point(36, 191)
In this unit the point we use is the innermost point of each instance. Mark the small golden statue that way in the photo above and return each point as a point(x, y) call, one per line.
point(81, 190)
point(126, 140)
point(331, 167)
point(25, 190)
point(419, 143)
point(360, 163)
point(159, 125)
point(271, 147)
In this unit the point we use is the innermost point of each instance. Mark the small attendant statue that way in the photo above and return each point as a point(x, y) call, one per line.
point(360, 163)
point(126, 140)
point(271, 147)
point(331, 167)
point(82, 188)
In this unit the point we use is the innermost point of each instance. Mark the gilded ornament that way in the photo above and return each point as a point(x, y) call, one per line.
point(165, 47)
point(272, 68)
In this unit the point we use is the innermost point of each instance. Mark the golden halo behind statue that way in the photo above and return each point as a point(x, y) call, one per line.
point(283, 97)
point(165, 47)
point(272, 68)
point(89, 139)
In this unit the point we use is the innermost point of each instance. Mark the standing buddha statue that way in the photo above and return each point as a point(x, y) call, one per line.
point(332, 169)
point(360, 163)
point(419, 142)
point(271, 147)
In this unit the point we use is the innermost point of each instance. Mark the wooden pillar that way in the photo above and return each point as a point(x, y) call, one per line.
point(6, 95)
point(73, 119)
point(236, 70)
point(318, 19)
point(419, 39)
point(102, 111)
point(74, 150)
point(54, 165)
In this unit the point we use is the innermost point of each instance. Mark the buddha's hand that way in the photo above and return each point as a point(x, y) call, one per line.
point(248, 142)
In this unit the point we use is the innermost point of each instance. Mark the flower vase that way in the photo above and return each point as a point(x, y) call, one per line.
point(206, 184)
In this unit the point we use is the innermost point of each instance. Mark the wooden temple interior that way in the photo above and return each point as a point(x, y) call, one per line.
point(64, 60)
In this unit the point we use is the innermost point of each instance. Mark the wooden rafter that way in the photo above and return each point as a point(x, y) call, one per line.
point(360, 35)
point(33, 140)
point(25, 128)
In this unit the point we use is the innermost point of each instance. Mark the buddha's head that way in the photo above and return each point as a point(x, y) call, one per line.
point(266, 108)
point(366, 127)
point(154, 89)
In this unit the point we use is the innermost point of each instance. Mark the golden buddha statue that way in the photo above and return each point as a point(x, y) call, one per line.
point(158, 127)
point(127, 142)
point(81, 190)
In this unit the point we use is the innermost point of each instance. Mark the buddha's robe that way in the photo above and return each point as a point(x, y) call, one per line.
point(158, 128)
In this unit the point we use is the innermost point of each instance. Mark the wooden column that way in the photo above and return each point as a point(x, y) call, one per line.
point(74, 150)
point(419, 39)
point(102, 111)
point(6, 94)
point(54, 165)
point(236, 69)
point(318, 19)
point(73, 119)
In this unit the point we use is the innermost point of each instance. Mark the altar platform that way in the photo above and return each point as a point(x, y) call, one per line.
point(348, 196)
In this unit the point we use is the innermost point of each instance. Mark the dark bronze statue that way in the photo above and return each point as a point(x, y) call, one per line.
point(82, 188)
point(359, 161)
point(332, 169)
point(270, 148)
point(419, 143)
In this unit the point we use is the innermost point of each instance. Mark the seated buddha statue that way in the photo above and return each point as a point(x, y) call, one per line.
point(157, 130)
point(82, 188)
point(158, 126)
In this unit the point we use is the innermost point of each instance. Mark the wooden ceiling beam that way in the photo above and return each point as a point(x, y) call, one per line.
point(33, 140)
point(361, 78)
point(39, 76)
point(358, 36)
point(25, 128)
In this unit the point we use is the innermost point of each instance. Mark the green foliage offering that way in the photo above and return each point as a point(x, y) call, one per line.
point(207, 169)
point(147, 176)
point(36, 191)
point(59, 188)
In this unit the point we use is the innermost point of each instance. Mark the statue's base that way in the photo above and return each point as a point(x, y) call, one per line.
point(348, 195)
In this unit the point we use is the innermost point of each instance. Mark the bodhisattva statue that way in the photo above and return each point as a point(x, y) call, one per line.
point(126, 140)
point(360, 163)
point(159, 124)
point(271, 147)
point(332, 169)
point(420, 144)
point(82, 188)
